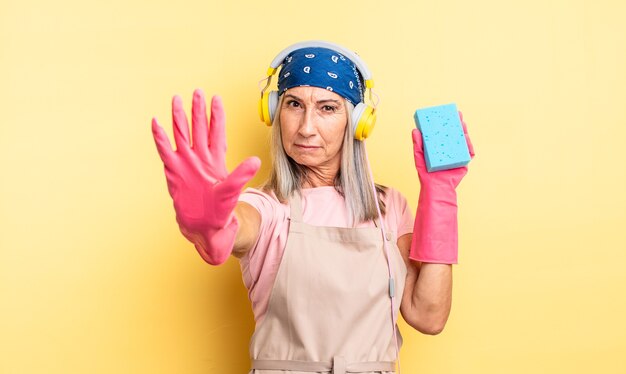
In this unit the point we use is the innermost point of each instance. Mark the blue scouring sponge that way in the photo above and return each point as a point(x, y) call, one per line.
point(445, 146)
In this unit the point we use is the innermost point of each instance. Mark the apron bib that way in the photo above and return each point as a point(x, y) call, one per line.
point(329, 309)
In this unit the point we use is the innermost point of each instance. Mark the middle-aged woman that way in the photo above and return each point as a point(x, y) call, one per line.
point(327, 256)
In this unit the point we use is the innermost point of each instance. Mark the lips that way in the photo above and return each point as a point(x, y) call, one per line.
point(304, 146)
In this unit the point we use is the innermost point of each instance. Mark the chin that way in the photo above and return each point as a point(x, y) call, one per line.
point(306, 161)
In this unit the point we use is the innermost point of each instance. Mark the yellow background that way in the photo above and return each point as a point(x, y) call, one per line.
point(96, 278)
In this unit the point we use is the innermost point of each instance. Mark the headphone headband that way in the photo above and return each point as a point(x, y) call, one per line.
point(365, 72)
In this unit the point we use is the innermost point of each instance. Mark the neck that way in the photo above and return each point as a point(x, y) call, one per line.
point(319, 178)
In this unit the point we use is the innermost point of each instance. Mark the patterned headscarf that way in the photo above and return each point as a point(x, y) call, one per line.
point(324, 68)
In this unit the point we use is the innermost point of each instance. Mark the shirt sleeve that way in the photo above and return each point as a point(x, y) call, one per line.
point(399, 212)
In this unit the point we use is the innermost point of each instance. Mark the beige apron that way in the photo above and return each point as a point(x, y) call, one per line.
point(329, 309)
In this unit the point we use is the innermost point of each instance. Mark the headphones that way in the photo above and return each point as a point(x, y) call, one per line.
point(363, 115)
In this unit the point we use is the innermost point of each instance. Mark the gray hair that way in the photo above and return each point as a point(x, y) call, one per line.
point(353, 181)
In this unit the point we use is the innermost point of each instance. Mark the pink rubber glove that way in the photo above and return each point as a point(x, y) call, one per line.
point(204, 193)
point(435, 232)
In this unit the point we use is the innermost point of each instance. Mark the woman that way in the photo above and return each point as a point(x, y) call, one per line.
point(324, 253)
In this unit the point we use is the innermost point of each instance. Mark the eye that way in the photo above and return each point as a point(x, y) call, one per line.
point(329, 108)
point(293, 104)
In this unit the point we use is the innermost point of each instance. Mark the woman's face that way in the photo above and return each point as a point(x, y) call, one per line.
point(313, 121)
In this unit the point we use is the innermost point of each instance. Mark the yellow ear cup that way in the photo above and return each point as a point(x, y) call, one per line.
point(364, 119)
point(268, 106)
point(369, 118)
point(264, 109)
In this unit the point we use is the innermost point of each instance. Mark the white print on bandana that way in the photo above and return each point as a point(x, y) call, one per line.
point(332, 75)
point(329, 88)
point(335, 59)
point(307, 69)
point(309, 55)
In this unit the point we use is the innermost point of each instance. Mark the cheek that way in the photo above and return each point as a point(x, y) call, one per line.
point(287, 129)
point(337, 144)
point(335, 135)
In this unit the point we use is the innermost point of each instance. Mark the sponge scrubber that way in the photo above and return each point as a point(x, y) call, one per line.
point(445, 146)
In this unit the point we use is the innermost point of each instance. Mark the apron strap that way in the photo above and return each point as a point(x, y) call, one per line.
point(295, 207)
point(337, 366)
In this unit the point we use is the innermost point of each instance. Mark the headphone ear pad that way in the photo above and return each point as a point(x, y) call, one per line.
point(272, 105)
point(363, 120)
point(267, 107)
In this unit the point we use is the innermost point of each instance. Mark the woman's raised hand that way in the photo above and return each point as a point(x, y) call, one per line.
point(204, 193)
point(435, 231)
point(442, 178)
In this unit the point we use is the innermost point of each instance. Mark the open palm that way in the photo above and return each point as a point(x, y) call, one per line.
point(203, 191)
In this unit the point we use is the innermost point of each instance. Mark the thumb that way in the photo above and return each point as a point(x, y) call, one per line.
point(418, 150)
point(235, 181)
point(418, 146)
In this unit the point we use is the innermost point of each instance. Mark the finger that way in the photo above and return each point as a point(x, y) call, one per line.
point(418, 150)
point(235, 181)
point(463, 123)
point(199, 125)
point(162, 142)
point(470, 147)
point(417, 141)
point(181, 126)
point(217, 131)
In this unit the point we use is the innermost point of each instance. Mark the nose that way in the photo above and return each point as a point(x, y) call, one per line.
point(307, 123)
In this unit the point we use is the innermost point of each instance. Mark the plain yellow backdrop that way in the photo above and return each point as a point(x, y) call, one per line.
point(96, 278)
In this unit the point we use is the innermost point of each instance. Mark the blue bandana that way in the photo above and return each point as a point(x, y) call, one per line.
point(321, 67)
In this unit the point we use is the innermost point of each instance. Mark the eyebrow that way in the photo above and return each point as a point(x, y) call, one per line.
point(319, 101)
